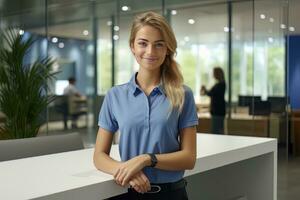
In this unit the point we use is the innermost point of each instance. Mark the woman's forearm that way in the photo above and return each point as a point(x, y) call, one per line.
point(105, 163)
point(180, 160)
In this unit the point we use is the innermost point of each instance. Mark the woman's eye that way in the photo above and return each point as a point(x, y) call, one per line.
point(159, 45)
point(143, 44)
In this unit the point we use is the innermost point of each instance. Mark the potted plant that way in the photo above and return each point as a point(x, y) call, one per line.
point(23, 87)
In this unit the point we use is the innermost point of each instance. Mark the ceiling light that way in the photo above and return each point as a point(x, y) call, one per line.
point(186, 38)
point(21, 32)
point(226, 29)
point(54, 40)
point(282, 26)
point(191, 21)
point(125, 8)
point(174, 12)
point(271, 19)
point(270, 39)
point(109, 23)
point(85, 32)
point(116, 28)
point(115, 37)
point(262, 16)
point(292, 29)
point(61, 45)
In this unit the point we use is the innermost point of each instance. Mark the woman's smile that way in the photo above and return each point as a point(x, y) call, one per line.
point(151, 60)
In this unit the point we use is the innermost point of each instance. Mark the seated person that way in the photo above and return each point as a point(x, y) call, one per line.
point(74, 95)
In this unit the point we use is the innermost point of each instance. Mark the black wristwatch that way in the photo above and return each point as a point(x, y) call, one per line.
point(153, 159)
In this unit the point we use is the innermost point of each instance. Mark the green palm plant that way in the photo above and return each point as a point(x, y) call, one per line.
point(23, 87)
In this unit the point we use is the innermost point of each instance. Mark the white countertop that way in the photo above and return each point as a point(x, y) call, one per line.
point(73, 173)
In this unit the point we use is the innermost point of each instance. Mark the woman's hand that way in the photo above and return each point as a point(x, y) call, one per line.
point(140, 182)
point(128, 169)
point(202, 90)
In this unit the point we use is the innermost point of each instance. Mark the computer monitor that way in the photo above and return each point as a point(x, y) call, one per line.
point(60, 85)
point(278, 104)
point(247, 100)
point(260, 108)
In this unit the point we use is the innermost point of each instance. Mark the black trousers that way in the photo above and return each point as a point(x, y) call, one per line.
point(177, 194)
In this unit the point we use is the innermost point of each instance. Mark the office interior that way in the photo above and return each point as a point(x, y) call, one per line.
point(255, 42)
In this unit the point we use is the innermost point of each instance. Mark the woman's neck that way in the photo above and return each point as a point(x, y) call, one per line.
point(147, 80)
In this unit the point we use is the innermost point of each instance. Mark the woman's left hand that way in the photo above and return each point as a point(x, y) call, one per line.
point(129, 168)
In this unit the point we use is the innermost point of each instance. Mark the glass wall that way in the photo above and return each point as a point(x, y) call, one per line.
point(254, 42)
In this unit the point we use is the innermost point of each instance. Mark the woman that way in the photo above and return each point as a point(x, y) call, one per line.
point(217, 101)
point(156, 116)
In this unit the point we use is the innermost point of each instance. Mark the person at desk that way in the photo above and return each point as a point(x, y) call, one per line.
point(71, 88)
point(217, 101)
point(72, 92)
point(156, 116)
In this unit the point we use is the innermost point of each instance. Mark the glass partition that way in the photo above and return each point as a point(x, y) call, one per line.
point(255, 42)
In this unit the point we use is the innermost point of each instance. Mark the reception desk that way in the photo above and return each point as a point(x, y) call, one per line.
point(227, 167)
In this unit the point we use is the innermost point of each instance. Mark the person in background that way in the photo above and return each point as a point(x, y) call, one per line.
point(71, 88)
point(217, 101)
point(72, 92)
point(156, 116)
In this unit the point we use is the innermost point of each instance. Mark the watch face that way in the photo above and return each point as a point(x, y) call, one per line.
point(153, 160)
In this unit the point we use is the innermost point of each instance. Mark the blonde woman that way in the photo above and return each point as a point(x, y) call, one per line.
point(156, 116)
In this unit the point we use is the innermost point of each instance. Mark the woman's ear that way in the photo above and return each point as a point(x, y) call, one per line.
point(132, 48)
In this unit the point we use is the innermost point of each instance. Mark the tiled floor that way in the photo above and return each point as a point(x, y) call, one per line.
point(288, 168)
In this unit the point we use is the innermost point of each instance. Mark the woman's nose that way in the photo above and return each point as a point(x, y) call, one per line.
point(150, 49)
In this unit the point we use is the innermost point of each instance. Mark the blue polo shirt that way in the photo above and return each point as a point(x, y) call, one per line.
point(146, 124)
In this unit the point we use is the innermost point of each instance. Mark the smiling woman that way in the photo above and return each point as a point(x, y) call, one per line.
point(148, 51)
point(156, 116)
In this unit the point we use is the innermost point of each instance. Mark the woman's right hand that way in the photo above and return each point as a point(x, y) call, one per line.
point(140, 182)
point(202, 90)
point(126, 170)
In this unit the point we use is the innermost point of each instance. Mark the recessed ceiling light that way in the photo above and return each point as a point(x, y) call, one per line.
point(191, 21)
point(226, 29)
point(85, 32)
point(109, 23)
point(61, 45)
point(292, 29)
point(54, 40)
point(270, 39)
point(125, 8)
point(186, 38)
point(21, 32)
point(262, 16)
point(282, 26)
point(115, 37)
point(174, 12)
point(271, 19)
point(116, 28)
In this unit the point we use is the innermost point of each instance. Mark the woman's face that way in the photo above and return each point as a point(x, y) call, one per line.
point(149, 48)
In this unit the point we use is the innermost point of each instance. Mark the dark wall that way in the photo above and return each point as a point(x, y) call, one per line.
point(294, 71)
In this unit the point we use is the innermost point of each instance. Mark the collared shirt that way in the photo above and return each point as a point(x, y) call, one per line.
point(147, 124)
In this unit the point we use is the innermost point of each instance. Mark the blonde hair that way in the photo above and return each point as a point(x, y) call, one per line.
point(171, 76)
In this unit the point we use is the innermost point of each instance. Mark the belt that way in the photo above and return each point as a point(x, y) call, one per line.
point(164, 187)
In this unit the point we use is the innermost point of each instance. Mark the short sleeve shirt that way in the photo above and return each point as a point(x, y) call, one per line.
point(147, 124)
point(70, 90)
